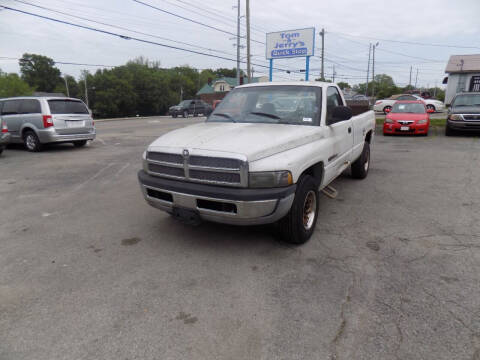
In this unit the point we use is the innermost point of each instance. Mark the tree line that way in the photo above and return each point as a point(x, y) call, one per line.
point(140, 87)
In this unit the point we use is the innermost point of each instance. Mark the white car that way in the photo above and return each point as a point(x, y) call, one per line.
point(386, 104)
point(254, 162)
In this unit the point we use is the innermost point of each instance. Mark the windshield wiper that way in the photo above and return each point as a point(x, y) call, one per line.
point(225, 116)
point(271, 116)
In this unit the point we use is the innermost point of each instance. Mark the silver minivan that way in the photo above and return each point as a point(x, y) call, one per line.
point(35, 121)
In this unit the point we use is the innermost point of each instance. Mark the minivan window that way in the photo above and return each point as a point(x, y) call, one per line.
point(67, 107)
point(30, 106)
point(11, 107)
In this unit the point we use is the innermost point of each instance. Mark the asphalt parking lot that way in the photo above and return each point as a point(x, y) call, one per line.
point(90, 271)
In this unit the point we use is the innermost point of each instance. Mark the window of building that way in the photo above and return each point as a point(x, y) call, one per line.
point(475, 84)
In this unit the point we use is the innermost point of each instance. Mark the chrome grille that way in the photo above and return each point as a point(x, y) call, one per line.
point(199, 168)
point(165, 157)
point(214, 176)
point(472, 117)
point(214, 162)
point(166, 170)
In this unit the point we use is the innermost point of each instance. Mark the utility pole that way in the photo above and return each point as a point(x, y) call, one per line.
point(368, 68)
point(373, 69)
point(410, 80)
point(322, 34)
point(249, 70)
point(333, 74)
point(85, 73)
point(238, 42)
point(416, 78)
point(66, 84)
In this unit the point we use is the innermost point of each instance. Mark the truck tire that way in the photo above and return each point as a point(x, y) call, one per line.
point(298, 225)
point(449, 131)
point(31, 141)
point(361, 166)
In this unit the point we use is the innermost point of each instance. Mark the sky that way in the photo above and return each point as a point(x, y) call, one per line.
point(350, 27)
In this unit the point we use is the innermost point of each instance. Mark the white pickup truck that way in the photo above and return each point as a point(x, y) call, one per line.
point(261, 157)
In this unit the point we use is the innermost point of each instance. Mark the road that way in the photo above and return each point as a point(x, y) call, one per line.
point(90, 271)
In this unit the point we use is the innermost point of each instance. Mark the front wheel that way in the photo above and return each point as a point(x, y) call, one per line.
point(174, 115)
point(185, 114)
point(31, 141)
point(361, 166)
point(431, 107)
point(298, 225)
point(449, 131)
point(387, 109)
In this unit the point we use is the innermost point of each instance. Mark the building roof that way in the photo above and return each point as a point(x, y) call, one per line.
point(206, 89)
point(463, 63)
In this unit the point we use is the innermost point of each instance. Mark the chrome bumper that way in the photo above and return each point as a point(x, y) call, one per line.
point(253, 211)
point(51, 136)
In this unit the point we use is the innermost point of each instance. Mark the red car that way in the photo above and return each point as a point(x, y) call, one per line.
point(407, 117)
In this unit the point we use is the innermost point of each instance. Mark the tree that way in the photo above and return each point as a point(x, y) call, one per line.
point(13, 85)
point(383, 84)
point(39, 72)
point(343, 85)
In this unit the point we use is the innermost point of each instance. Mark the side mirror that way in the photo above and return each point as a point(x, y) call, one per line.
point(430, 111)
point(340, 113)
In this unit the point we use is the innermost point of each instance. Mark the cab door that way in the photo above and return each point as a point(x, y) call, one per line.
point(340, 134)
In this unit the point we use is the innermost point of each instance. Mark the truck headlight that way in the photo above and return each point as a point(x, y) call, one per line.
point(270, 179)
point(144, 161)
point(455, 117)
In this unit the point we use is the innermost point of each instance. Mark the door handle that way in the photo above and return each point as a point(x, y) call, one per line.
point(349, 130)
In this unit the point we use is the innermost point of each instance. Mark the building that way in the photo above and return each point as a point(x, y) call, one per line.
point(217, 89)
point(463, 75)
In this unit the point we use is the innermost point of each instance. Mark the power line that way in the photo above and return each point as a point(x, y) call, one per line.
point(191, 20)
point(124, 37)
point(119, 27)
point(64, 62)
point(409, 42)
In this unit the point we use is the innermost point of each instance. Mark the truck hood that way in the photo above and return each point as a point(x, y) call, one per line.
point(255, 141)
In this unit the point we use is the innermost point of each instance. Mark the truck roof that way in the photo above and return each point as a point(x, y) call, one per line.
point(294, 83)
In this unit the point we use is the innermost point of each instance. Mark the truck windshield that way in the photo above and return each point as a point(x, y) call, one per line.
point(467, 100)
point(279, 104)
point(414, 108)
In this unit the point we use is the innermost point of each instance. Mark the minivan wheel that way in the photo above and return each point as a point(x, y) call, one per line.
point(31, 141)
point(79, 143)
point(299, 224)
point(185, 114)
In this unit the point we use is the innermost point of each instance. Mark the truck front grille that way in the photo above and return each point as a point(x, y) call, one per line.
point(202, 169)
point(472, 117)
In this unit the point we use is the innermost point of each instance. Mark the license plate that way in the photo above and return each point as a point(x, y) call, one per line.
point(404, 128)
point(187, 216)
point(75, 124)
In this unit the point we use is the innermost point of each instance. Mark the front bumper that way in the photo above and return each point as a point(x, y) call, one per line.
point(236, 206)
point(51, 136)
point(414, 129)
point(464, 125)
point(4, 138)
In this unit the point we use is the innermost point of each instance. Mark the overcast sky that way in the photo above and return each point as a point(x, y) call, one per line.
point(350, 27)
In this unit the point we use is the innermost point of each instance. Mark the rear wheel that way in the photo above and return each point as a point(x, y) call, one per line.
point(80, 143)
point(431, 107)
point(388, 107)
point(299, 224)
point(361, 166)
point(31, 141)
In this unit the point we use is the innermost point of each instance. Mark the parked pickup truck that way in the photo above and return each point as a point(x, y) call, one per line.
point(464, 114)
point(252, 162)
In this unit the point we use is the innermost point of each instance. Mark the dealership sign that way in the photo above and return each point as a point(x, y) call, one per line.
point(291, 43)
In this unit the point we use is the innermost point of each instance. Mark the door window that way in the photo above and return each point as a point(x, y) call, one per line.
point(333, 100)
point(11, 107)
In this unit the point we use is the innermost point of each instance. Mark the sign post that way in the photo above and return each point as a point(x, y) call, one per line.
point(289, 44)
